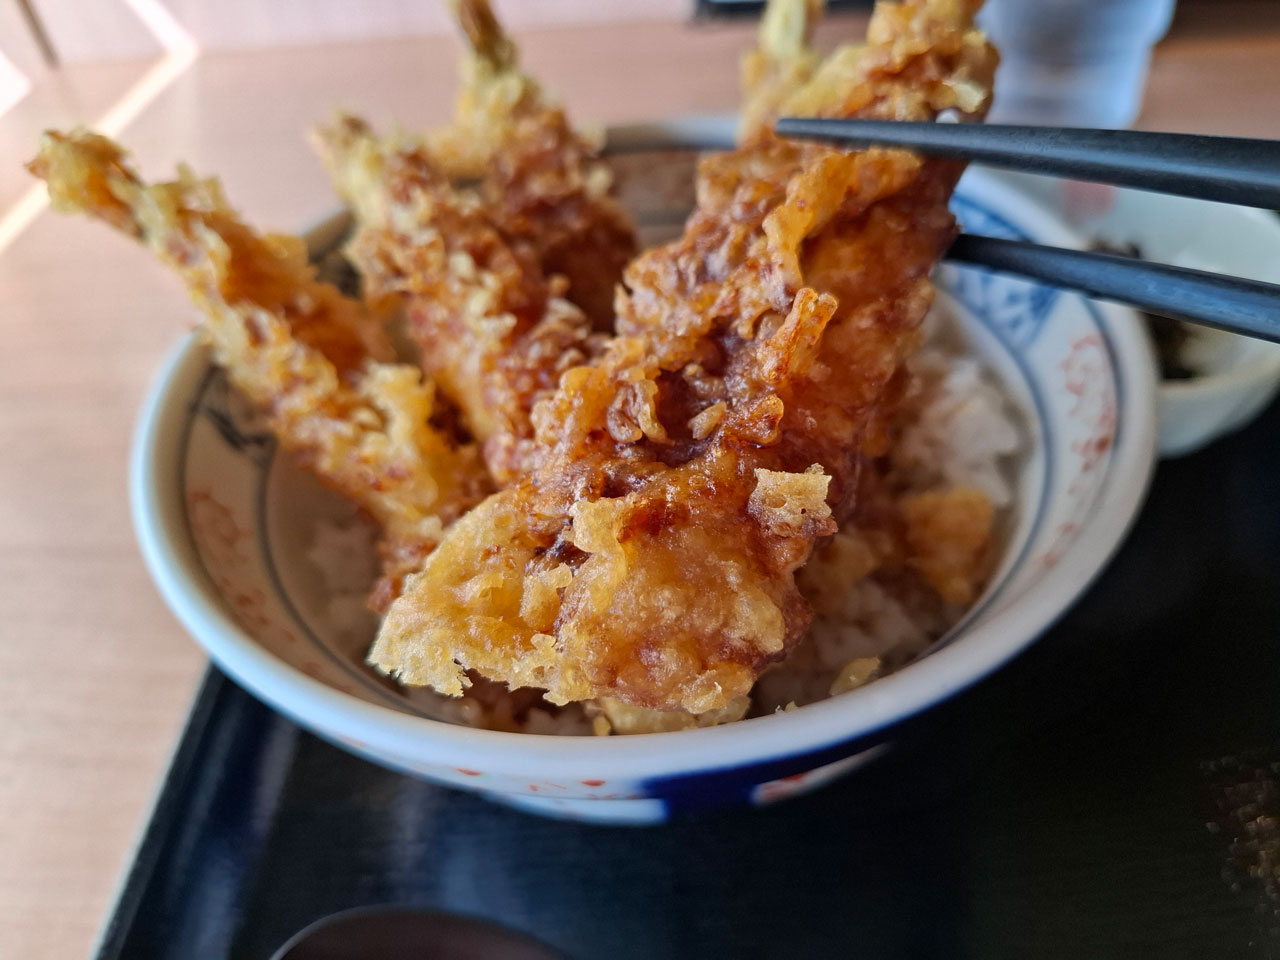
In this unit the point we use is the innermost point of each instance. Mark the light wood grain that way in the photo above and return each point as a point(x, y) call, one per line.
point(1223, 85)
point(64, 98)
point(107, 30)
point(18, 45)
point(94, 32)
point(95, 675)
point(248, 24)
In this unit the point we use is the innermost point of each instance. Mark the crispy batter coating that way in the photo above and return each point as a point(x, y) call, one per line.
point(543, 182)
point(494, 332)
point(948, 535)
point(939, 539)
point(498, 276)
point(314, 361)
point(679, 479)
point(662, 487)
point(624, 718)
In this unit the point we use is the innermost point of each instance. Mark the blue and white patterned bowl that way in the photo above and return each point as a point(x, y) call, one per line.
point(221, 520)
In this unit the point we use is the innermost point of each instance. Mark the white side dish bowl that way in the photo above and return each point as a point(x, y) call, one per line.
point(1240, 375)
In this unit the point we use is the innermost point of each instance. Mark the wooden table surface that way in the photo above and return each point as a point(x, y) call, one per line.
point(95, 674)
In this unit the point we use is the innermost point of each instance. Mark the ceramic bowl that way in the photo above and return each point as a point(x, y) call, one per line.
point(222, 521)
point(1240, 375)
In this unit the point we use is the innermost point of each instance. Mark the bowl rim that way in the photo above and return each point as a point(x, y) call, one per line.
point(158, 510)
point(1261, 369)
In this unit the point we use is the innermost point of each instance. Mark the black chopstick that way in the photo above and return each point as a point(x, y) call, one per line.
point(1229, 169)
point(1248, 307)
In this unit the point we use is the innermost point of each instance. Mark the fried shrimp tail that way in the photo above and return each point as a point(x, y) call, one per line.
point(779, 65)
point(505, 279)
point(490, 45)
point(543, 180)
point(315, 362)
point(495, 94)
point(679, 479)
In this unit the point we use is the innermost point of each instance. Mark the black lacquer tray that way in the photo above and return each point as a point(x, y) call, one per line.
point(1114, 792)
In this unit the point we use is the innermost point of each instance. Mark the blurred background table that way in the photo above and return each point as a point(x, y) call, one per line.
point(95, 675)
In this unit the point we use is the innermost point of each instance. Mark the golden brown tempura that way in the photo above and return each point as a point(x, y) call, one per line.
point(494, 333)
point(680, 479)
point(314, 361)
point(542, 181)
point(663, 486)
point(779, 65)
point(484, 270)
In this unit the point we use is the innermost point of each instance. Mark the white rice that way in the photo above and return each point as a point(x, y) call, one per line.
point(959, 430)
point(964, 432)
